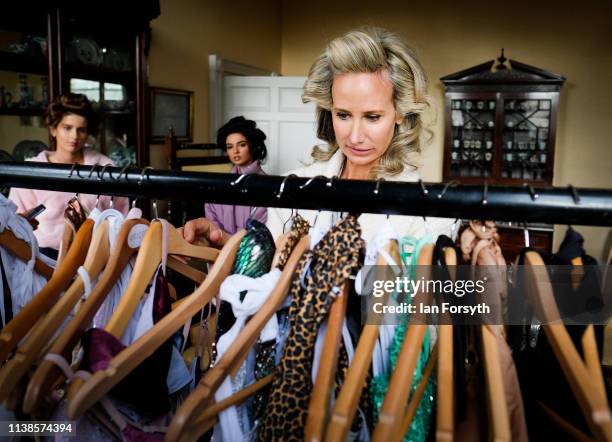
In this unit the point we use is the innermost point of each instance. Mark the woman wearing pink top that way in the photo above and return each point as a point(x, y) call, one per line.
point(70, 119)
point(245, 147)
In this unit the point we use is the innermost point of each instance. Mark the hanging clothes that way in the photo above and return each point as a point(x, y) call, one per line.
point(115, 220)
point(241, 295)
point(479, 244)
point(144, 397)
point(419, 428)
point(19, 277)
point(540, 374)
point(327, 268)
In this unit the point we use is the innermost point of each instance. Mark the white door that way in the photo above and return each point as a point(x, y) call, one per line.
point(275, 103)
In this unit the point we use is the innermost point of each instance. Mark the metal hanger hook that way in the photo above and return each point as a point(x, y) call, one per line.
point(282, 186)
point(310, 180)
point(75, 166)
point(423, 188)
point(377, 188)
point(532, 193)
point(94, 167)
point(288, 219)
point(526, 235)
point(122, 171)
point(575, 195)
point(453, 183)
point(101, 174)
point(237, 180)
point(142, 174)
point(485, 191)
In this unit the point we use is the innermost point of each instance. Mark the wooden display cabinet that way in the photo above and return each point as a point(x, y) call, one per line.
point(51, 49)
point(501, 124)
point(500, 127)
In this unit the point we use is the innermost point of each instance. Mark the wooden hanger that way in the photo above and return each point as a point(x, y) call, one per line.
point(445, 404)
point(68, 235)
point(22, 323)
point(30, 348)
point(594, 408)
point(400, 384)
point(185, 269)
point(496, 397)
point(348, 400)
point(100, 383)
point(147, 261)
point(569, 429)
point(187, 418)
point(22, 250)
point(318, 408)
point(209, 418)
point(47, 373)
point(415, 400)
point(592, 361)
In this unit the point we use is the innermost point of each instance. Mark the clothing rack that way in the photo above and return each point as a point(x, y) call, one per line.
point(555, 205)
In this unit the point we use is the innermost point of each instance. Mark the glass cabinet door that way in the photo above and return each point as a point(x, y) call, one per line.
point(473, 137)
point(100, 63)
point(526, 138)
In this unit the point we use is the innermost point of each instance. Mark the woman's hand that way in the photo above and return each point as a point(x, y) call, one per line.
point(33, 222)
point(202, 228)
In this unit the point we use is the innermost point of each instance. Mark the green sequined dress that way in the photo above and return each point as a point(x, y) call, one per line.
point(419, 428)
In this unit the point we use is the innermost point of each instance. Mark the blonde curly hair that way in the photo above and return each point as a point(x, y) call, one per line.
point(371, 50)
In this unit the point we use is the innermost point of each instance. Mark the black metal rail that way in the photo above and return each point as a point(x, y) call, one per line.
point(568, 205)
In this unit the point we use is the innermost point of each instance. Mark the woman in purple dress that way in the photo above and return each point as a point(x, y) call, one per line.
point(246, 150)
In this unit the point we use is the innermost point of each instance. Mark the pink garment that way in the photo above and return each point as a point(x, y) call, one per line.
point(51, 221)
point(233, 218)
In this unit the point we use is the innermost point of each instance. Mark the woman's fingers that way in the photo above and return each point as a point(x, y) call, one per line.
point(218, 236)
point(203, 228)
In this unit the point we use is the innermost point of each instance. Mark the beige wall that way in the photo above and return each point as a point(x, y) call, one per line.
point(573, 41)
point(187, 32)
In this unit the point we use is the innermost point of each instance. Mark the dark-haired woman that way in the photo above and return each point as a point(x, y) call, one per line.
point(245, 147)
point(70, 119)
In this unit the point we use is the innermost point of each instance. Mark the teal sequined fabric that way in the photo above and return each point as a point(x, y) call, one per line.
point(256, 251)
point(421, 423)
point(419, 428)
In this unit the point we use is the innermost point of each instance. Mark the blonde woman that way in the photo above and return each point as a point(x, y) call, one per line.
point(371, 92)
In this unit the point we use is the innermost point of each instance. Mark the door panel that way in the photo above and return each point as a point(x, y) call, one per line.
point(275, 103)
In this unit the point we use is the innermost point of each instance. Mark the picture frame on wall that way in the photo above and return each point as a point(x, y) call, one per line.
point(171, 108)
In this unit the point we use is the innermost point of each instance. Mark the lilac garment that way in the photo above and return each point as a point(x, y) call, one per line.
point(233, 218)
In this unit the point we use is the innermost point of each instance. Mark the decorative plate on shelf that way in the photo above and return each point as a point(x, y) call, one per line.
point(84, 50)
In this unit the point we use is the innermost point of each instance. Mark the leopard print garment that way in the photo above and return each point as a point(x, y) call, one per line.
point(333, 260)
point(266, 351)
point(299, 228)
